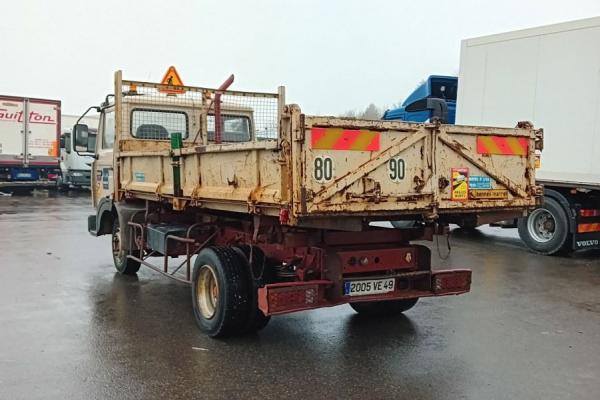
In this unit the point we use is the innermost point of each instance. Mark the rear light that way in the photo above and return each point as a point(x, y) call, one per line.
point(278, 298)
point(589, 213)
point(53, 176)
point(284, 216)
point(587, 228)
point(451, 282)
point(364, 261)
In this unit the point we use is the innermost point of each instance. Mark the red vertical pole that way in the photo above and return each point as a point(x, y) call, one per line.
point(218, 121)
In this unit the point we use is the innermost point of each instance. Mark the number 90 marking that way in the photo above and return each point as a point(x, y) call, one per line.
point(323, 169)
point(396, 169)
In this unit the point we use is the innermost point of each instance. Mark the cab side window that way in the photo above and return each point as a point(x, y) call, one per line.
point(108, 130)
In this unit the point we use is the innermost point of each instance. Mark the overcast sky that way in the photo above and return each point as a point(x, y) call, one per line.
point(332, 56)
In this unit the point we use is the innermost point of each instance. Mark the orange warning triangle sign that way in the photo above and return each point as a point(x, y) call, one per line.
point(171, 78)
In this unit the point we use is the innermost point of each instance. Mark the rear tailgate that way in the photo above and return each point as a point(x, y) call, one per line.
point(41, 118)
point(385, 168)
point(44, 131)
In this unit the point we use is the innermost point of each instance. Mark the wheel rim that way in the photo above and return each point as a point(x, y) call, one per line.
point(116, 245)
point(541, 225)
point(207, 292)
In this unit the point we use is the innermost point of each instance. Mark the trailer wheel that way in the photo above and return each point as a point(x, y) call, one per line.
point(220, 292)
point(546, 229)
point(258, 275)
point(384, 308)
point(123, 264)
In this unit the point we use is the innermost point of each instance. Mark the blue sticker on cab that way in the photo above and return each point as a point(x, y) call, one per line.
point(480, 182)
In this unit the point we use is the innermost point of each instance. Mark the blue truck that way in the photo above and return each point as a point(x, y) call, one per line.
point(425, 102)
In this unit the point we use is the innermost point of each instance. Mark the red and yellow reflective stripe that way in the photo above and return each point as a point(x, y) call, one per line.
point(344, 139)
point(585, 228)
point(505, 145)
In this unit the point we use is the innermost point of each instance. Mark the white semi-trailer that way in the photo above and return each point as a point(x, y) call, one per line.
point(550, 76)
point(29, 135)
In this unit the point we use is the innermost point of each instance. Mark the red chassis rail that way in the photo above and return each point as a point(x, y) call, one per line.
point(314, 266)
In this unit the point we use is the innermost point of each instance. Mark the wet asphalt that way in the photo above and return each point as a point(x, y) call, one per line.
point(71, 328)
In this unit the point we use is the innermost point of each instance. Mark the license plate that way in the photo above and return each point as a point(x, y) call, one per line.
point(366, 287)
point(23, 175)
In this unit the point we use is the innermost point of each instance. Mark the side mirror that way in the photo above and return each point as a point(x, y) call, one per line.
point(438, 107)
point(62, 141)
point(83, 141)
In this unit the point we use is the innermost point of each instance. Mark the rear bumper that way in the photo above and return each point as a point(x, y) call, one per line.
point(287, 297)
point(28, 184)
point(78, 178)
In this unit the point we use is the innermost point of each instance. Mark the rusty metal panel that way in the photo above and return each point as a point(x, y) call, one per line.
point(275, 158)
point(365, 166)
point(375, 168)
point(501, 178)
point(241, 174)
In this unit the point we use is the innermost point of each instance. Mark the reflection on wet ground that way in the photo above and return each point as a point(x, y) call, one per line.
point(72, 328)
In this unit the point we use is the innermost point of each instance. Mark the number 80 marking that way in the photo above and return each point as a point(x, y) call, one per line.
point(323, 171)
point(396, 169)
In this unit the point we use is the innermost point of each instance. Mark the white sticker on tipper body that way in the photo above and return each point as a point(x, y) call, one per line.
point(396, 169)
point(323, 169)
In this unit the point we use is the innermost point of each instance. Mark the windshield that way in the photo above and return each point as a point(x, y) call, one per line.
point(444, 88)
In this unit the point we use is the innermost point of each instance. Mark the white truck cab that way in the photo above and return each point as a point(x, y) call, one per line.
point(75, 168)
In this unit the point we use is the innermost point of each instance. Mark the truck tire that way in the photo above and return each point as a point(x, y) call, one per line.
point(124, 265)
point(384, 308)
point(221, 297)
point(60, 184)
point(258, 277)
point(546, 229)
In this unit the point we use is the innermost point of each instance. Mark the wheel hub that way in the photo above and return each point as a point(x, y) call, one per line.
point(116, 244)
point(541, 225)
point(207, 292)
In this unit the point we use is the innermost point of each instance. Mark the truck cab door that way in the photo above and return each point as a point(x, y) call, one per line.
point(102, 167)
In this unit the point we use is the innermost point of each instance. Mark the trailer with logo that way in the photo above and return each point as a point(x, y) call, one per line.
point(29, 136)
point(273, 207)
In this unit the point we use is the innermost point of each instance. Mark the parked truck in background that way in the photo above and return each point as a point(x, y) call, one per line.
point(279, 223)
point(415, 108)
point(549, 76)
point(75, 167)
point(29, 142)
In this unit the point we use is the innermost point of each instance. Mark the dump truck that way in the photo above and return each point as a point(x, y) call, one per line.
point(29, 137)
point(276, 208)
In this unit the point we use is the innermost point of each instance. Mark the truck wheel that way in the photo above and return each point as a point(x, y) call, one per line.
point(258, 277)
point(60, 184)
point(124, 265)
point(546, 229)
point(220, 292)
point(383, 308)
